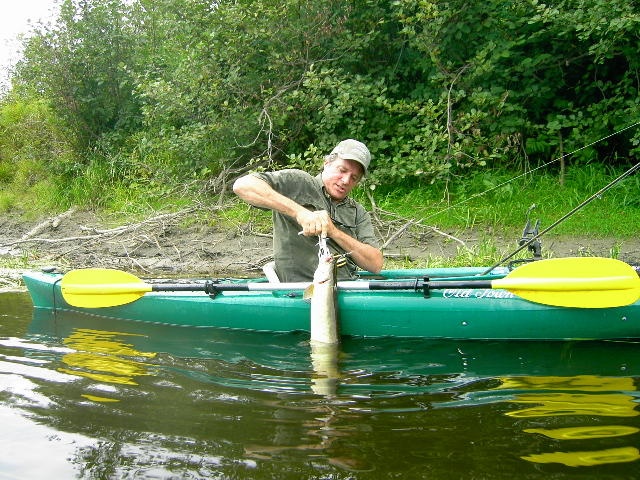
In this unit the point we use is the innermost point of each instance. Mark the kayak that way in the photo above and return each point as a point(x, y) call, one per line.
point(551, 301)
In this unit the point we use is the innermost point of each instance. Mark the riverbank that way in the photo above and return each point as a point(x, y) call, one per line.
point(177, 244)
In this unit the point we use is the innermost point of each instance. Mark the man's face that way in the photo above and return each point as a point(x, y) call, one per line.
point(340, 176)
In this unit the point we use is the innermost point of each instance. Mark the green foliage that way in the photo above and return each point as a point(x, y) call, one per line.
point(552, 77)
point(84, 66)
point(32, 146)
point(156, 94)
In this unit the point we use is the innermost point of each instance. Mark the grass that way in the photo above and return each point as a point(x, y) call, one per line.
point(495, 204)
point(499, 201)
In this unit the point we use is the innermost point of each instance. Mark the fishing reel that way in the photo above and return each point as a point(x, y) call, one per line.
point(530, 239)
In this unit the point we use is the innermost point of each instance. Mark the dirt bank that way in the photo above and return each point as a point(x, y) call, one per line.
point(163, 245)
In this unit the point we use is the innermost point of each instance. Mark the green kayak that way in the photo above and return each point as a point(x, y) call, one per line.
point(453, 303)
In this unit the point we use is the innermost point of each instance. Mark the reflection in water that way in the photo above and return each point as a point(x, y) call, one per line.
point(557, 404)
point(324, 436)
point(585, 433)
point(567, 402)
point(586, 459)
point(325, 362)
point(583, 383)
point(102, 356)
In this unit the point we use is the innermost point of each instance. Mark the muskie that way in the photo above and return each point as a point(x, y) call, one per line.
point(324, 323)
point(324, 316)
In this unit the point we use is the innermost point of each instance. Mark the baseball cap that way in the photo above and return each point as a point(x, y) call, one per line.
point(353, 150)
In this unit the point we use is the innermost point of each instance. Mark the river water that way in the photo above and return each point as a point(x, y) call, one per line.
point(86, 397)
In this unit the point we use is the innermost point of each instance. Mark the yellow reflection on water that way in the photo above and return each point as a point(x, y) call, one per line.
point(102, 356)
point(102, 341)
point(563, 403)
point(586, 459)
point(95, 398)
point(583, 395)
point(103, 368)
point(584, 383)
point(560, 404)
point(584, 433)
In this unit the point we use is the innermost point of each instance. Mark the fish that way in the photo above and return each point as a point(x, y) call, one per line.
point(322, 294)
point(324, 337)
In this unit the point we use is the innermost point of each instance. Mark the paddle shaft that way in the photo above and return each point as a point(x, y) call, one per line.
point(545, 284)
point(212, 287)
point(417, 283)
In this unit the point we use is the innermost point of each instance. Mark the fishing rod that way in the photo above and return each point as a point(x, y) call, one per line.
point(564, 217)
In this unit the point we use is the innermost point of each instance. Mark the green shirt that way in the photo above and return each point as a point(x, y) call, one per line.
point(296, 256)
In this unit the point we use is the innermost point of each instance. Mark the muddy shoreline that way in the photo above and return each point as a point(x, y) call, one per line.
point(167, 245)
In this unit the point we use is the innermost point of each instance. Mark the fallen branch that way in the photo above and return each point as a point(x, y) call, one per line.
point(49, 223)
point(397, 233)
point(52, 240)
point(96, 233)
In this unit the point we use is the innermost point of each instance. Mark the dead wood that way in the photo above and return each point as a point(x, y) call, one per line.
point(51, 223)
point(161, 221)
point(396, 226)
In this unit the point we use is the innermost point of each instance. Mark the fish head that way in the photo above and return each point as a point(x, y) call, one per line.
point(325, 271)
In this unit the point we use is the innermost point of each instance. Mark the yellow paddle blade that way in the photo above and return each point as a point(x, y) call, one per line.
point(584, 282)
point(101, 287)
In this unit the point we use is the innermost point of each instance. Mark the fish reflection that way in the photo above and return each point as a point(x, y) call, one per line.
point(321, 430)
point(584, 395)
point(102, 356)
point(326, 370)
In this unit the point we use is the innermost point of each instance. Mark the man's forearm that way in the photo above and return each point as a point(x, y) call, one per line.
point(259, 193)
point(364, 255)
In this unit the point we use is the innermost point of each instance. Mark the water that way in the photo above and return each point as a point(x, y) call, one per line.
point(85, 397)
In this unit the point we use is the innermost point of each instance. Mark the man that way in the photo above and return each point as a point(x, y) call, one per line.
point(305, 207)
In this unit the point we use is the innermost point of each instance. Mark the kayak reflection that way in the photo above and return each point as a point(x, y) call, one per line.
point(128, 350)
point(366, 366)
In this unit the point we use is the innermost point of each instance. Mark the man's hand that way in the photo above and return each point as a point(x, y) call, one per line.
point(315, 223)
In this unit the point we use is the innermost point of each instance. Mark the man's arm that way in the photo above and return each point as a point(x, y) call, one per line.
point(364, 255)
point(259, 193)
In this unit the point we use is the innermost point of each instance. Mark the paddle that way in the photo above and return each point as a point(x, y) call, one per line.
point(585, 282)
